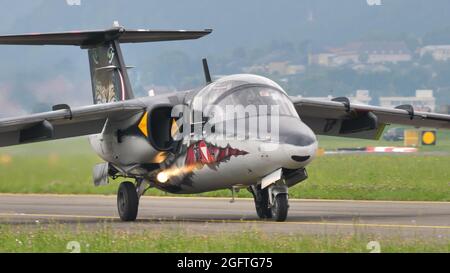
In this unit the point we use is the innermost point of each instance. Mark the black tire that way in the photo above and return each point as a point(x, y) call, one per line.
point(280, 207)
point(261, 198)
point(127, 201)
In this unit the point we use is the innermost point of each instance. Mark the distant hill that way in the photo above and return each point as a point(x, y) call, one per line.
point(249, 24)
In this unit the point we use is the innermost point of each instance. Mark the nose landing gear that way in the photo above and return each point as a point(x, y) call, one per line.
point(279, 207)
point(261, 197)
point(271, 202)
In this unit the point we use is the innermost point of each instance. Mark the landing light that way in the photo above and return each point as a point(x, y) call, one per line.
point(162, 177)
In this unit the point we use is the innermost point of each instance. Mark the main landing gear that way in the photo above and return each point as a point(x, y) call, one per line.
point(271, 202)
point(128, 197)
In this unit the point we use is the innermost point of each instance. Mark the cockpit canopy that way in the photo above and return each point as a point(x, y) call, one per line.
point(256, 94)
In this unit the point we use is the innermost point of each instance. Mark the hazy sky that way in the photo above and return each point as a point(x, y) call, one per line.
point(249, 23)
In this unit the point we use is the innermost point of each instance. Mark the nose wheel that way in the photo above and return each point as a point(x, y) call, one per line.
point(127, 201)
point(280, 207)
point(271, 202)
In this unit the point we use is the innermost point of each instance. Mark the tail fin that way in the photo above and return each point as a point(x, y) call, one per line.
point(109, 75)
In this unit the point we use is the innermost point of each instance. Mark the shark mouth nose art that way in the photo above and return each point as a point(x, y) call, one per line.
point(203, 153)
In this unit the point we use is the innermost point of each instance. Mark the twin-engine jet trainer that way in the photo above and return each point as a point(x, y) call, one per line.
point(240, 131)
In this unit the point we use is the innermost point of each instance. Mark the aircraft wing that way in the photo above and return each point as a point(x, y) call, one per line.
point(64, 122)
point(342, 118)
point(86, 38)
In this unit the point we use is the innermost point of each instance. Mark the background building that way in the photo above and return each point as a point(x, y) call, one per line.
point(360, 97)
point(423, 101)
point(367, 53)
point(438, 52)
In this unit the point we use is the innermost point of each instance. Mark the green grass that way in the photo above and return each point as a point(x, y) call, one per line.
point(402, 177)
point(65, 167)
point(103, 238)
point(327, 142)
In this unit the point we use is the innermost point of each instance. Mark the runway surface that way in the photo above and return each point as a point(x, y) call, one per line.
point(206, 215)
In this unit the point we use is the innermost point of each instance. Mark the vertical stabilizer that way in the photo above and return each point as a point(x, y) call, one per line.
point(109, 75)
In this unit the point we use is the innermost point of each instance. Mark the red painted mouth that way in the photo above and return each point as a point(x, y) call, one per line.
point(203, 153)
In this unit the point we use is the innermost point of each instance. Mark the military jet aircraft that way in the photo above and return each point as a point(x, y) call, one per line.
point(185, 142)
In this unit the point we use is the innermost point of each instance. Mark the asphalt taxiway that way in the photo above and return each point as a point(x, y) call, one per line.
point(197, 214)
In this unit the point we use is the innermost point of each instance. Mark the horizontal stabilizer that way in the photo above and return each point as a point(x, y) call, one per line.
point(94, 37)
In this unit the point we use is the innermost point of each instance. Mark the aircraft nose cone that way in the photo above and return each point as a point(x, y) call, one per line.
point(298, 141)
point(293, 131)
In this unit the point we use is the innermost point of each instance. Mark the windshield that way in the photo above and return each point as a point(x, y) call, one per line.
point(260, 96)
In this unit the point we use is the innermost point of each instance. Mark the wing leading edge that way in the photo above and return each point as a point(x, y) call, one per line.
point(93, 37)
point(64, 122)
point(341, 118)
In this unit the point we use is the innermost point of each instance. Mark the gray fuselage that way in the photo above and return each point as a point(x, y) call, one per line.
point(218, 156)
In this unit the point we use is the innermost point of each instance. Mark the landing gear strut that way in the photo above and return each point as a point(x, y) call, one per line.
point(261, 197)
point(271, 202)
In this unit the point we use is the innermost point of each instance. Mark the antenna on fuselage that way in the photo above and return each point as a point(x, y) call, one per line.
point(206, 71)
